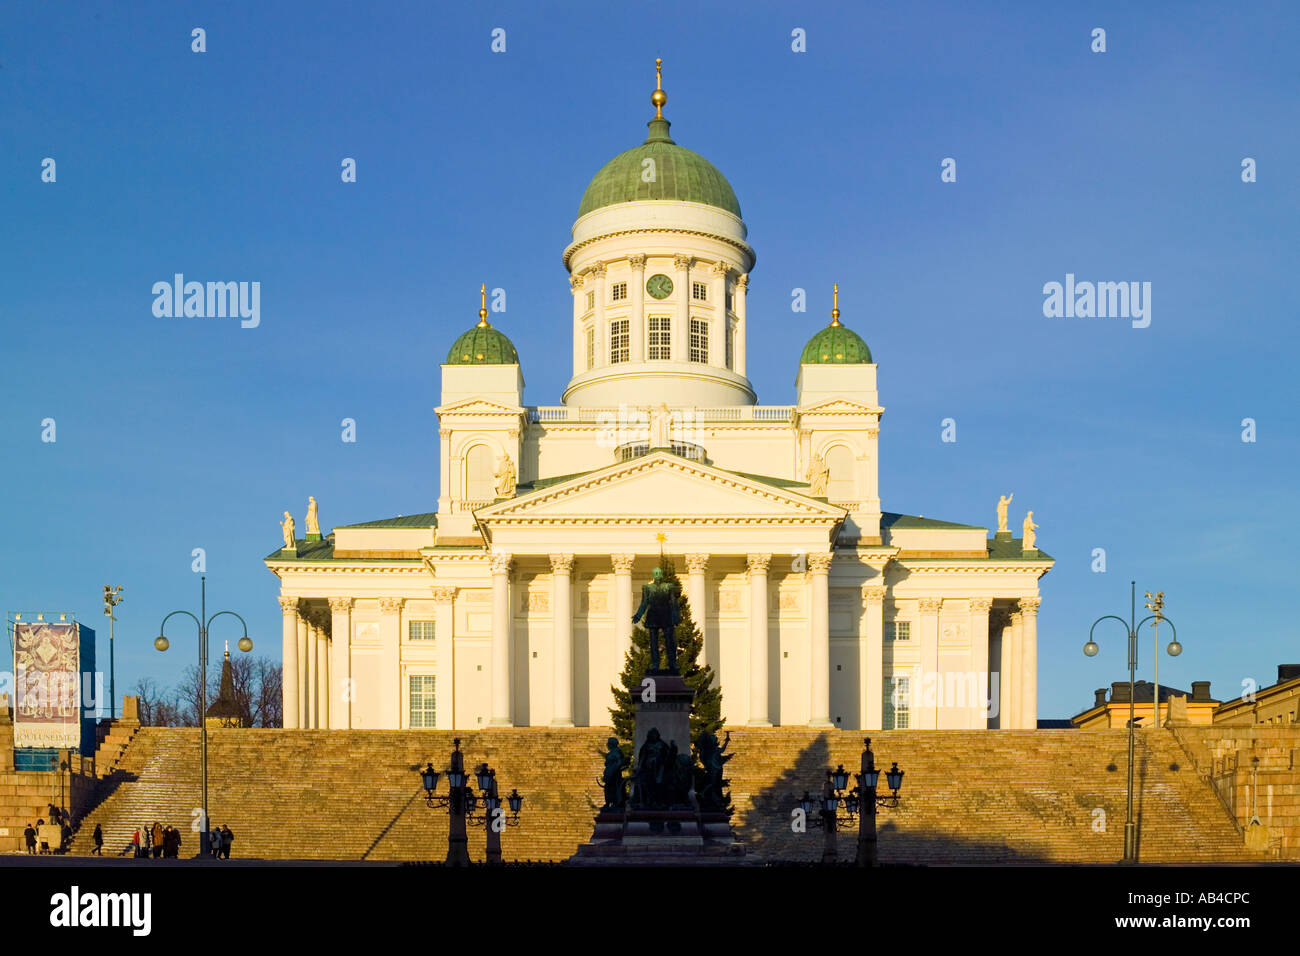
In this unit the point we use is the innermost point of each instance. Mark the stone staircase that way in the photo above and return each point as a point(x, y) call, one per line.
point(968, 796)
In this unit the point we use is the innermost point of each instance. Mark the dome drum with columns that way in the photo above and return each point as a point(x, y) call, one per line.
point(511, 603)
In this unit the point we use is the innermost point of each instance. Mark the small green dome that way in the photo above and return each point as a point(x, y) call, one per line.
point(678, 174)
point(836, 345)
point(483, 345)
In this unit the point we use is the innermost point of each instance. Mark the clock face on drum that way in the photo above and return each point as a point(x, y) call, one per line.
point(659, 286)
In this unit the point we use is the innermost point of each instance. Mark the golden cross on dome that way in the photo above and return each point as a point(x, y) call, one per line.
point(835, 309)
point(658, 98)
point(482, 310)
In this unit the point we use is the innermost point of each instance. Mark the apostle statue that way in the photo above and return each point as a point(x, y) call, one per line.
point(1029, 529)
point(287, 527)
point(1003, 503)
point(659, 605)
point(713, 758)
point(661, 426)
point(652, 767)
point(818, 477)
point(313, 520)
point(505, 476)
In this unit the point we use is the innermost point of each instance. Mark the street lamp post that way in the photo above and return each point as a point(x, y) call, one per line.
point(112, 598)
point(245, 644)
point(1174, 649)
point(461, 805)
point(862, 802)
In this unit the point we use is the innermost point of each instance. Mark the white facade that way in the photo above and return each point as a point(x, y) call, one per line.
point(511, 604)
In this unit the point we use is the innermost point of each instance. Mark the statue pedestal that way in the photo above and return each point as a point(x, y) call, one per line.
point(672, 836)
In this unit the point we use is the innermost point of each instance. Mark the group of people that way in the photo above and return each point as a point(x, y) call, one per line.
point(165, 841)
point(39, 834)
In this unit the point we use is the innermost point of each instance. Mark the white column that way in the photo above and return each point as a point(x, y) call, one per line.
point(718, 327)
point(562, 638)
point(927, 697)
point(742, 328)
point(1017, 671)
point(341, 691)
point(872, 665)
point(1006, 677)
point(682, 322)
point(696, 596)
point(313, 672)
point(444, 681)
point(979, 660)
point(322, 672)
point(759, 714)
point(819, 566)
point(304, 670)
point(636, 321)
point(1029, 661)
point(289, 651)
point(622, 607)
point(601, 324)
point(390, 664)
point(579, 335)
point(501, 684)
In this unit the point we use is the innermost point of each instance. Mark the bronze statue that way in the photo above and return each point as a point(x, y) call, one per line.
point(651, 772)
point(713, 758)
point(615, 789)
point(659, 605)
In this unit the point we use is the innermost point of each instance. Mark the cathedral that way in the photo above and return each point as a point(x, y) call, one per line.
point(511, 604)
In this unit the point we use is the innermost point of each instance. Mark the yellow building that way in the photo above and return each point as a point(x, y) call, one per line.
point(1111, 709)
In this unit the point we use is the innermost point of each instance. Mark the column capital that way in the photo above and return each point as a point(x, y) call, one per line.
point(930, 605)
point(637, 261)
point(391, 605)
point(318, 619)
point(874, 593)
point(289, 603)
point(1016, 618)
point(623, 562)
point(758, 562)
point(597, 270)
point(981, 605)
point(501, 562)
point(721, 268)
point(340, 604)
point(742, 280)
point(683, 262)
point(443, 595)
point(820, 562)
point(561, 563)
point(575, 281)
point(1030, 605)
point(697, 563)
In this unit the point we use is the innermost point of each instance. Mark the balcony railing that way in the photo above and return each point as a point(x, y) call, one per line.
point(610, 415)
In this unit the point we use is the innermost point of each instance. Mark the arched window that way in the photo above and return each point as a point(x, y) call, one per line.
point(842, 485)
point(480, 485)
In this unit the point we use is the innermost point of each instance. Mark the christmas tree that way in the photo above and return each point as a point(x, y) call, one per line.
point(706, 708)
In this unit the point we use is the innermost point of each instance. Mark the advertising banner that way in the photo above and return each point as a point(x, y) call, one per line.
point(46, 684)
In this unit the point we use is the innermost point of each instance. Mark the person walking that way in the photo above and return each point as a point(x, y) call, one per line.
point(214, 843)
point(98, 837)
point(227, 838)
point(157, 840)
point(135, 843)
point(29, 835)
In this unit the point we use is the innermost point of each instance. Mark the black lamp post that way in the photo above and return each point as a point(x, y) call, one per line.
point(161, 643)
point(462, 806)
point(860, 802)
point(1174, 649)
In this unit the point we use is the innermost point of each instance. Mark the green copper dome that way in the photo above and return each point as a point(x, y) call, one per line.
point(836, 345)
point(678, 174)
point(483, 345)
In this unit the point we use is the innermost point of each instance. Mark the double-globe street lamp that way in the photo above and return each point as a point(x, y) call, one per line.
point(462, 806)
point(862, 802)
point(1174, 649)
point(245, 644)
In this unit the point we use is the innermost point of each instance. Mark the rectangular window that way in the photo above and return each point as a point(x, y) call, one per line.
point(898, 630)
point(618, 341)
point(591, 301)
point(699, 292)
point(591, 347)
point(699, 340)
point(730, 303)
point(422, 701)
point(419, 630)
point(898, 703)
point(731, 345)
point(660, 331)
point(618, 291)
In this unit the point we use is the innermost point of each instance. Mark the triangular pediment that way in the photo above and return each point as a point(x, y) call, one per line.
point(841, 406)
point(663, 487)
point(476, 406)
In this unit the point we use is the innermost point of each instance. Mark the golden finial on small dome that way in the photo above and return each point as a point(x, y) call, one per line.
point(482, 311)
point(658, 98)
point(835, 309)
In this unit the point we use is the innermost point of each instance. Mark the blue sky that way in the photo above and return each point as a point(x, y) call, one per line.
point(175, 434)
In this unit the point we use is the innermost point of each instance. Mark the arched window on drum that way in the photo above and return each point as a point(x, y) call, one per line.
point(480, 485)
point(842, 485)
